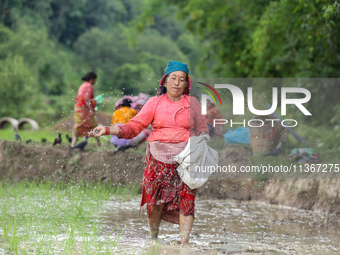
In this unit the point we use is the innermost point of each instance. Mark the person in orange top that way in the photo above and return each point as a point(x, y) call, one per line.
point(121, 116)
point(84, 109)
point(124, 113)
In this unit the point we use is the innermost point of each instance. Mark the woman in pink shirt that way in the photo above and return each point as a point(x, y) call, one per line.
point(174, 116)
point(84, 109)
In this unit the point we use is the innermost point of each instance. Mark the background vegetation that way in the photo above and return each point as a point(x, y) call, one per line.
point(46, 46)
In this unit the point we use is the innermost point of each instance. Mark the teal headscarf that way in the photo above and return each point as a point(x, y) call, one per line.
point(174, 66)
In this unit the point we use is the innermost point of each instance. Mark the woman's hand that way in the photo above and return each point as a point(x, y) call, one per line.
point(103, 130)
point(77, 126)
point(98, 131)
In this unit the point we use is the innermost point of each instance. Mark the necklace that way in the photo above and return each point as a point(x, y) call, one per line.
point(173, 99)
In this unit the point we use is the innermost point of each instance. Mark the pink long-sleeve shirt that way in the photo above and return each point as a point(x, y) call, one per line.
point(172, 122)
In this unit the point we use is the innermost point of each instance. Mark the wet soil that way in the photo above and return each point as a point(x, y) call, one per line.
point(229, 227)
point(43, 161)
point(233, 215)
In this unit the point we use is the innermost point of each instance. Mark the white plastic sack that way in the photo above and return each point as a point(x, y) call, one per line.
point(195, 161)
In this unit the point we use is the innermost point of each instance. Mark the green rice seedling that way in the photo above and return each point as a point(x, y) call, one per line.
point(63, 218)
point(110, 245)
point(117, 191)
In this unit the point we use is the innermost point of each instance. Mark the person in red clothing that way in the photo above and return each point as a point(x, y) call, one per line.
point(213, 113)
point(84, 109)
point(174, 116)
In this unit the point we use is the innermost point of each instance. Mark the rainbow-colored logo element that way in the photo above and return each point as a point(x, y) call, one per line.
point(209, 93)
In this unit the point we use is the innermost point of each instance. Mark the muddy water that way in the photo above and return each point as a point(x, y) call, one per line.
point(228, 227)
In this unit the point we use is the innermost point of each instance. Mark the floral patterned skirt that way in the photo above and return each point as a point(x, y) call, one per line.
point(162, 185)
point(90, 123)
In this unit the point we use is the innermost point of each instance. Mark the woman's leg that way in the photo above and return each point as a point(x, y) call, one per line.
point(74, 140)
point(185, 223)
point(155, 220)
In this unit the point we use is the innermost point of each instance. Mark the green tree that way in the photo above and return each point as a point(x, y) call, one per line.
point(261, 38)
point(157, 63)
point(66, 20)
point(132, 78)
point(104, 52)
point(305, 45)
point(191, 47)
point(47, 63)
point(59, 41)
point(265, 38)
point(151, 41)
point(18, 87)
point(111, 51)
point(73, 18)
point(331, 9)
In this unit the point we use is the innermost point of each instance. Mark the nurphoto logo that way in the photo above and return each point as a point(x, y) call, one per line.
point(238, 104)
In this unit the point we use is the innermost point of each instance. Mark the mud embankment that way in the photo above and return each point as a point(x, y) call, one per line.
point(37, 161)
point(312, 194)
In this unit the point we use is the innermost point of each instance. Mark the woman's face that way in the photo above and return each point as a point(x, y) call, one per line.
point(175, 84)
point(92, 81)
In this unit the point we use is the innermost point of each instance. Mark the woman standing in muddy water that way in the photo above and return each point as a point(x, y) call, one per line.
point(84, 109)
point(174, 116)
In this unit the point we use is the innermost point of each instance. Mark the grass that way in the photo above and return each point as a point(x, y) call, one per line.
point(37, 136)
point(49, 218)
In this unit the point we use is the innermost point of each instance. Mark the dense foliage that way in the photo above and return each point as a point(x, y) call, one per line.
point(46, 46)
point(267, 39)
